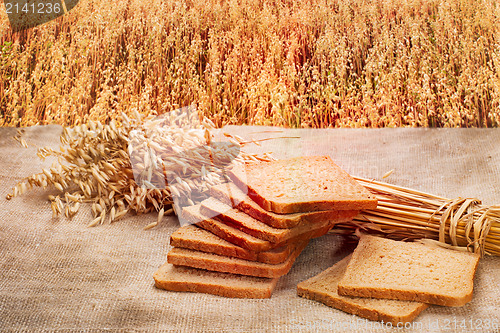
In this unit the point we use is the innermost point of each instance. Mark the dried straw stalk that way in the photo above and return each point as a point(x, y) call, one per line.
point(403, 213)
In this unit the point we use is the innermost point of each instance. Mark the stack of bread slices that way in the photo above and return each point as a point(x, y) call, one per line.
point(251, 230)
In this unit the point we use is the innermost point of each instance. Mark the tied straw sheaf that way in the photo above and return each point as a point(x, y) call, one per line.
point(98, 163)
point(407, 214)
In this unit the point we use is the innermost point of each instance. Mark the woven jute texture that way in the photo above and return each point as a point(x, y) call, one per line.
point(59, 275)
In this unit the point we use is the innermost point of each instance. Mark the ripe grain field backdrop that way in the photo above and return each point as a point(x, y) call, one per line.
point(315, 63)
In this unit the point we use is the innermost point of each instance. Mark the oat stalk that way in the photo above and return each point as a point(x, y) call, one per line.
point(94, 164)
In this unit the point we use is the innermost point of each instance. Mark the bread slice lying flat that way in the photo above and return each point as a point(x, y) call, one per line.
point(256, 228)
point(238, 237)
point(179, 278)
point(195, 238)
point(323, 288)
point(214, 262)
point(232, 195)
point(385, 268)
point(303, 184)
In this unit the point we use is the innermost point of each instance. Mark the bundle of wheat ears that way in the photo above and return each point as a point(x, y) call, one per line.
point(115, 168)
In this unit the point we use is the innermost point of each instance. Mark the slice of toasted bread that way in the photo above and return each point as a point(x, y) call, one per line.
point(214, 262)
point(232, 195)
point(195, 238)
point(302, 184)
point(180, 278)
point(254, 227)
point(323, 288)
point(384, 268)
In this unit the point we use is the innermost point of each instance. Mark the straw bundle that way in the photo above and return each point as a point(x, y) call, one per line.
point(403, 213)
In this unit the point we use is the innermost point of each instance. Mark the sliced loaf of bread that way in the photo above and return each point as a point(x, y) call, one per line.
point(384, 268)
point(232, 234)
point(214, 262)
point(233, 196)
point(256, 228)
point(323, 288)
point(195, 238)
point(229, 233)
point(180, 278)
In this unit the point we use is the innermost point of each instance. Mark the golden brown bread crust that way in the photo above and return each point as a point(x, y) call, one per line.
point(195, 238)
point(302, 184)
point(371, 314)
point(406, 295)
point(187, 279)
point(410, 271)
point(227, 232)
point(323, 288)
point(256, 228)
point(231, 195)
point(238, 235)
point(213, 262)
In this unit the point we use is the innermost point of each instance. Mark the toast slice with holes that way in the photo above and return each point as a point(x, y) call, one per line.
point(188, 279)
point(301, 184)
point(384, 268)
point(231, 195)
point(238, 237)
point(199, 239)
point(256, 228)
point(214, 262)
point(323, 288)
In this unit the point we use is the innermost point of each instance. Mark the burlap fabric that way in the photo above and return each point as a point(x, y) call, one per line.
point(59, 275)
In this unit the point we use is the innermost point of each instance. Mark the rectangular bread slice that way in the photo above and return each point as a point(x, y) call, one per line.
point(302, 184)
point(229, 233)
point(179, 278)
point(214, 262)
point(195, 238)
point(230, 194)
point(323, 288)
point(256, 228)
point(384, 268)
point(233, 235)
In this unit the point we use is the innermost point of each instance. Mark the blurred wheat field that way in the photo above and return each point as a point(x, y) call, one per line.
point(316, 63)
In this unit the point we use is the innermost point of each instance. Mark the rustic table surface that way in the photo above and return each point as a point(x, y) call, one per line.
point(59, 275)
